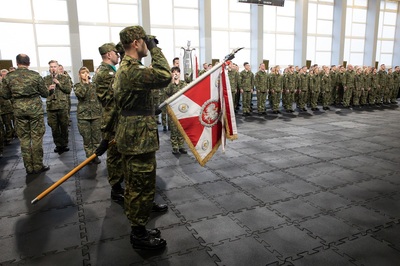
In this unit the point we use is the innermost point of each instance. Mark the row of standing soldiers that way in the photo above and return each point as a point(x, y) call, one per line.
point(335, 85)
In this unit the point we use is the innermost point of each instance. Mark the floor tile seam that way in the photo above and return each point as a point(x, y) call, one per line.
point(38, 211)
point(9, 175)
point(85, 251)
point(353, 202)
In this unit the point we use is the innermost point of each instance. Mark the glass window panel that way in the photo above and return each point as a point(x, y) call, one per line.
point(356, 59)
point(324, 44)
point(269, 19)
point(287, 10)
point(61, 54)
point(161, 12)
point(312, 18)
point(359, 15)
point(163, 35)
point(378, 49)
point(386, 59)
point(52, 34)
point(19, 44)
point(244, 56)
point(240, 20)
point(234, 5)
point(324, 27)
point(325, 11)
point(91, 38)
point(346, 54)
point(388, 32)
point(16, 9)
point(323, 58)
point(387, 47)
point(358, 30)
point(186, 17)
point(285, 24)
point(269, 47)
point(44, 10)
point(361, 3)
point(284, 42)
point(219, 14)
point(357, 45)
point(390, 18)
point(220, 47)
point(183, 36)
point(311, 48)
point(349, 15)
point(390, 5)
point(123, 1)
point(86, 14)
point(284, 58)
point(186, 3)
point(115, 34)
point(239, 39)
point(124, 14)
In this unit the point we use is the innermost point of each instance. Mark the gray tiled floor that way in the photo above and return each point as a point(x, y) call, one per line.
point(309, 188)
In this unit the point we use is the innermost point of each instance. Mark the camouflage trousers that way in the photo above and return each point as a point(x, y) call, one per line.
point(326, 98)
point(30, 131)
point(176, 136)
point(274, 99)
point(347, 96)
point(115, 165)
point(2, 138)
point(261, 101)
point(302, 99)
point(9, 127)
point(314, 98)
point(246, 101)
point(58, 120)
point(140, 185)
point(91, 134)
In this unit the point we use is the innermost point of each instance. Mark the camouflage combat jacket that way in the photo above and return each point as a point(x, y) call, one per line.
point(88, 104)
point(59, 97)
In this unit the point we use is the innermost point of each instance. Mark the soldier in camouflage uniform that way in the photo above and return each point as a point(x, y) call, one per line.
point(137, 133)
point(326, 88)
point(233, 76)
point(390, 85)
point(57, 106)
point(382, 77)
point(359, 87)
point(275, 89)
point(6, 113)
point(366, 98)
point(246, 88)
point(396, 91)
point(105, 93)
point(25, 87)
point(349, 84)
point(315, 88)
point(88, 113)
point(302, 89)
point(176, 138)
point(261, 83)
point(289, 88)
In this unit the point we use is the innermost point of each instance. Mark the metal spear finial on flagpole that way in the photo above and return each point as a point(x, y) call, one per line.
point(196, 81)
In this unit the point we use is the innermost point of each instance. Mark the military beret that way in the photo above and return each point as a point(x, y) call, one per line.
point(129, 34)
point(107, 47)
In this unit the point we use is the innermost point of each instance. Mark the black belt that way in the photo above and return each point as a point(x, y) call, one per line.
point(136, 112)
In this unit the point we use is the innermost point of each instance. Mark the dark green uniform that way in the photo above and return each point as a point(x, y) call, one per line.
point(137, 133)
point(326, 90)
point(105, 93)
point(57, 107)
point(247, 85)
point(275, 90)
point(382, 77)
point(261, 83)
point(349, 85)
point(89, 116)
point(302, 90)
point(234, 82)
point(25, 87)
point(176, 138)
point(289, 88)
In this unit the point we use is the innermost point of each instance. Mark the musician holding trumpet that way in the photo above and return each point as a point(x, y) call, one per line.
point(59, 87)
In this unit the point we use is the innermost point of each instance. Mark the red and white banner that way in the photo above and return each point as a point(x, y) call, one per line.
point(204, 114)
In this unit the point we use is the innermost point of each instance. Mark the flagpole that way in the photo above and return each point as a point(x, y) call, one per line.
point(209, 72)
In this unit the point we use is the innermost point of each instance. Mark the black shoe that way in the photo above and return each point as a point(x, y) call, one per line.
point(304, 109)
point(275, 112)
point(58, 149)
point(164, 128)
point(96, 160)
point(147, 242)
point(64, 148)
point(158, 123)
point(43, 169)
point(279, 112)
point(117, 194)
point(175, 151)
point(154, 232)
point(183, 151)
point(159, 207)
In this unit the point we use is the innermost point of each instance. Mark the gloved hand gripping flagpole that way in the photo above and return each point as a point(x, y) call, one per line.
point(192, 84)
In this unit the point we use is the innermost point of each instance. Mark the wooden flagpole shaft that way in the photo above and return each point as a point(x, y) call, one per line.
point(192, 84)
point(64, 178)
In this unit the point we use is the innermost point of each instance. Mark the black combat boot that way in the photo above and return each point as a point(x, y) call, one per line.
point(144, 239)
point(117, 193)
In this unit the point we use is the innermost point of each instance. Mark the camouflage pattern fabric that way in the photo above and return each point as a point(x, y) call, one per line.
point(261, 83)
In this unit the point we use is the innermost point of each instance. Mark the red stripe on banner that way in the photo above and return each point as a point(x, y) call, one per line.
point(193, 128)
point(202, 92)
